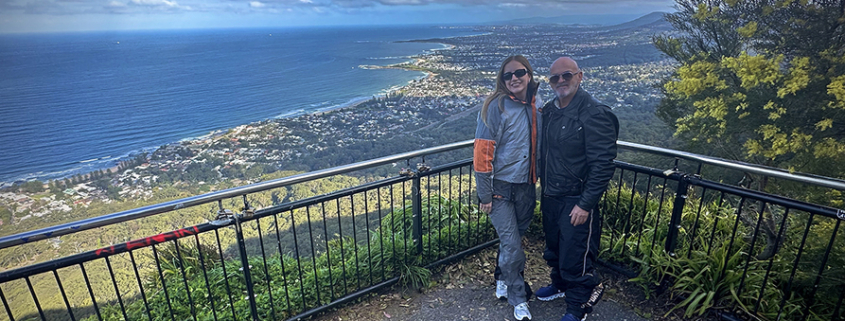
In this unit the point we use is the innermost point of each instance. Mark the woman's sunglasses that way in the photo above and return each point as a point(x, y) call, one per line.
point(567, 76)
point(518, 73)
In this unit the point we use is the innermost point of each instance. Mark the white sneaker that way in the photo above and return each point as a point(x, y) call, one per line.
point(520, 312)
point(501, 290)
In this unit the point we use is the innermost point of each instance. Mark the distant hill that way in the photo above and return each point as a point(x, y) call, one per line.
point(612, 21)
point(603, 20)
point(649, 19)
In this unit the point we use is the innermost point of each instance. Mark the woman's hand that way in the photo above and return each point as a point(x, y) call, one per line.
point(486, 207)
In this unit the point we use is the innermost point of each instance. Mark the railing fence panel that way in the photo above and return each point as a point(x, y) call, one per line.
point(272, 251)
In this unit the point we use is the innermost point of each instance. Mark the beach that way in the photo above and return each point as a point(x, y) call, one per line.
point(179, 87)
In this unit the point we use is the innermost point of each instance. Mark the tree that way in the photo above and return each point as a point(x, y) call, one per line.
point(761, 81)
point(54, 187)
point(32, 187)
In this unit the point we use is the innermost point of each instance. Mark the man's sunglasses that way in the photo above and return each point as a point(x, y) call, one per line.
point(567, 76)
point(518, 73)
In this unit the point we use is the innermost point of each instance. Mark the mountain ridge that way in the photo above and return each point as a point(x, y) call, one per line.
point(615, 21)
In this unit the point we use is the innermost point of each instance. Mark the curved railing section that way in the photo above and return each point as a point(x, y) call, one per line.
point(86, 224)
point(767, 255)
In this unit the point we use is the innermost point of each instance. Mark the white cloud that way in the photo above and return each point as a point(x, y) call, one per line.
point(89, 6)
point(402, 2)
point(429, 10)
point(156, 3)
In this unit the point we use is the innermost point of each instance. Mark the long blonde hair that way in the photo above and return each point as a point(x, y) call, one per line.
point(502, 89)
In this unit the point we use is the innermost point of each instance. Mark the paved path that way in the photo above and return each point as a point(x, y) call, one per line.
point(464, 291)
point(479, 304)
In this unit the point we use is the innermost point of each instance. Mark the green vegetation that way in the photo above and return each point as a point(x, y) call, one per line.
point(307, 283)
point(414, 67)
point(32, 187)
point(715, 268)
point(759, 81)
point(364, 244)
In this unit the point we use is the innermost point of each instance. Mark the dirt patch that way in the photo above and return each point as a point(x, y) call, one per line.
point(464, 291)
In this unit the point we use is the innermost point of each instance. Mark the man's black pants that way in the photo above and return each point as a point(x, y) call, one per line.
point(571, 251)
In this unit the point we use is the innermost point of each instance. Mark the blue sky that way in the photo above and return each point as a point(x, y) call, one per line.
point(87, 15)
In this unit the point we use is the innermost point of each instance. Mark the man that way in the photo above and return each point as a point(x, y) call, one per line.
point(576, 162)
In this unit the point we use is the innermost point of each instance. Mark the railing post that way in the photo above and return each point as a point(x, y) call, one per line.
point(416, 202)
point(253, 309)
point(677, 211)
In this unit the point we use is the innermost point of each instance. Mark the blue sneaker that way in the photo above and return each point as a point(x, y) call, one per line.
point(548, 293)
point(571, 317)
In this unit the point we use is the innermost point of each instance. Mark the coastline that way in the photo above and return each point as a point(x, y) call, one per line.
point(115, 163)
point(416, 61)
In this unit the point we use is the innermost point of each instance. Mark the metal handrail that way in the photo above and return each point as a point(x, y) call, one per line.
point(86, 224)
point(745, 167)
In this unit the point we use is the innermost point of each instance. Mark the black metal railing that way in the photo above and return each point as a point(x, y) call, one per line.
point(263, 257)
point(270, 253)
point(730, 249)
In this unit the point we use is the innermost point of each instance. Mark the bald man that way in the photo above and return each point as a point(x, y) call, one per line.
point(576, 163)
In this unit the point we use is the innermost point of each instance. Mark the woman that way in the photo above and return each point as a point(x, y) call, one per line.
point(505, 171)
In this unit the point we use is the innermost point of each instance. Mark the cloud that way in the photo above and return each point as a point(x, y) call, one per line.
point(515, 8)
point(352, 3)
point(594, 6)
point(155, 3)
point(404, 2)
point(155, 6)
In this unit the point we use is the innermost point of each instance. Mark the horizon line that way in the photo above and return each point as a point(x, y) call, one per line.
point(515, 21)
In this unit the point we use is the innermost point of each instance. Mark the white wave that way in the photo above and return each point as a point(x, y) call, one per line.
point(292, 113)
point(392, 89)
point(193, 138)
point(348, 103)
point(387, 58)
point(82, 168)
point(321, 103)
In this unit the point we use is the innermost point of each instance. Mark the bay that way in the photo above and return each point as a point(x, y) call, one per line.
point(75, 102)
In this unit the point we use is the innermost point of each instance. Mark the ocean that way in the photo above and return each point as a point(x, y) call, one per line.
point(77, 102)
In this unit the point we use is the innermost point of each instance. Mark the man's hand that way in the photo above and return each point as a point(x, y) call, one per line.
point(486, 207)
point(578, 216)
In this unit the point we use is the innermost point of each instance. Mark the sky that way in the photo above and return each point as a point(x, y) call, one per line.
point(25, 16)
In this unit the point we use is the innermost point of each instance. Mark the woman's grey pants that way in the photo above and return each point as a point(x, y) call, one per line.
point(513, 209)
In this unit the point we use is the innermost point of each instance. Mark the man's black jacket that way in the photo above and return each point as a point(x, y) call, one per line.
point(578, 148)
